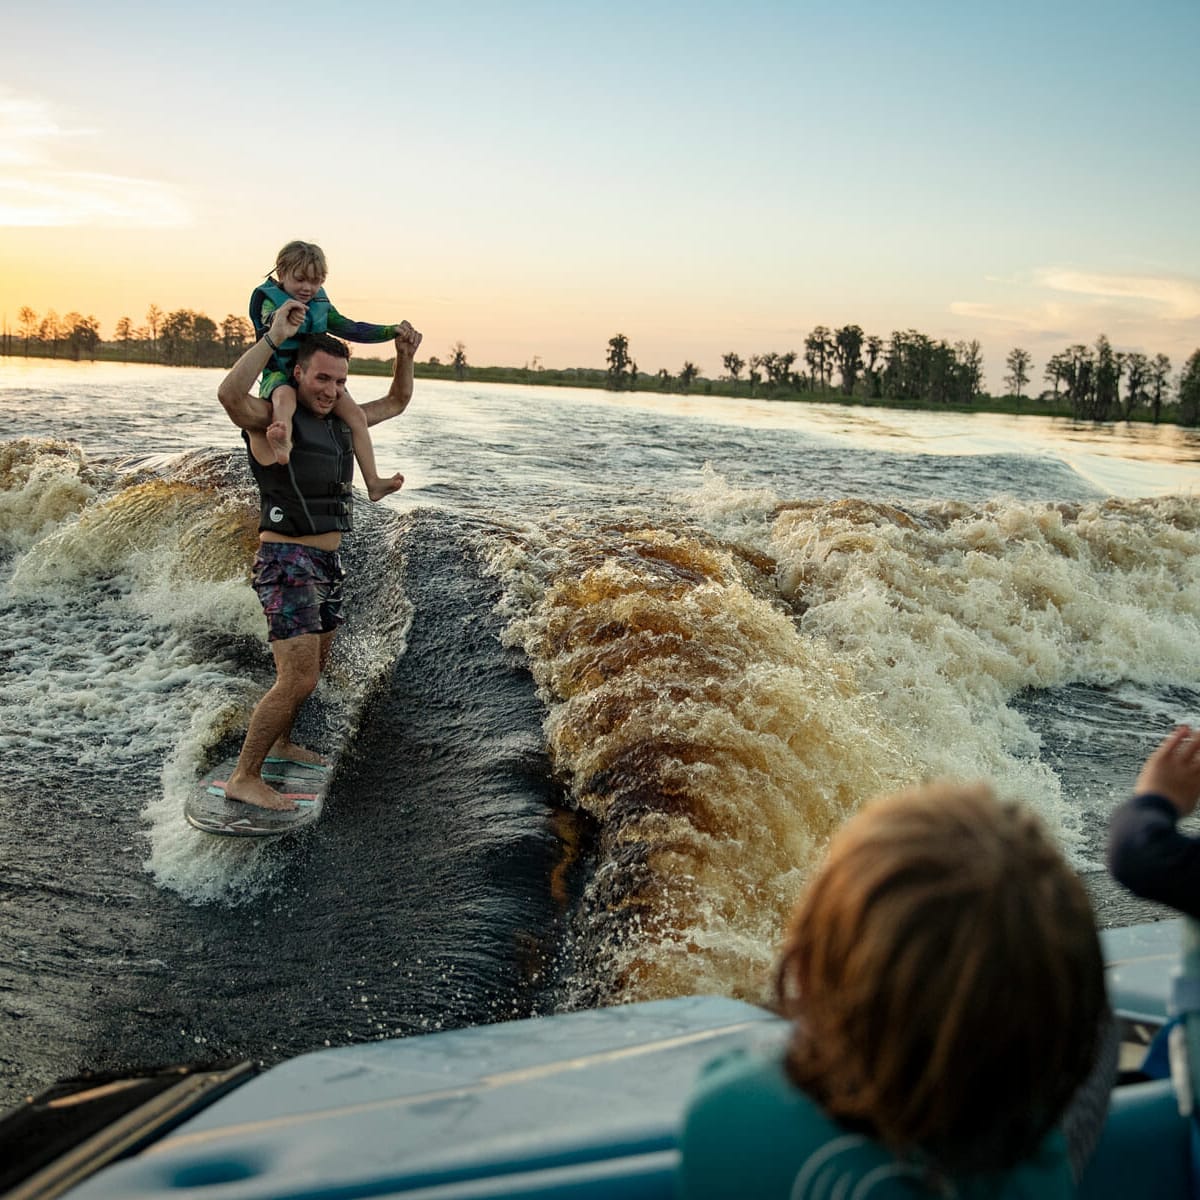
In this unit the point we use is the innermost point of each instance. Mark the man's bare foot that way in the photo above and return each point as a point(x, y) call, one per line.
point(294, 753)
point(279, 438)
point(385, 487)
point(250, 789)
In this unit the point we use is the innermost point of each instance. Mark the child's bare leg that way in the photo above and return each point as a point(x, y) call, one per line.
point(279, 432)
point(377, 487)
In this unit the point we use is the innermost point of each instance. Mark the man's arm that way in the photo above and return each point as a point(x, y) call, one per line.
point(1146, 851)
point(400, 393)
point(1149, 856)
point(245, 409)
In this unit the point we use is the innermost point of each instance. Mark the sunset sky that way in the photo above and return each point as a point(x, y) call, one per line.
point(534, 176)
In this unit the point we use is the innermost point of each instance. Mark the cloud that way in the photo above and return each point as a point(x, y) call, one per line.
point(1026, 318)
point(1063, 304)
point(58, 198)
point(1177, 299)
point(38, 189)
point(1046, 319)
point(24, 126)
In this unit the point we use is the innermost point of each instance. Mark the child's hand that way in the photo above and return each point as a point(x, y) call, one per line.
point(288, 317)
point(1173, 770)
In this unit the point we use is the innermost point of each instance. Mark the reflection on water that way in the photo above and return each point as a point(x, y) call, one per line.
point(1112, 457)
point(981, 433)
point(176, 408)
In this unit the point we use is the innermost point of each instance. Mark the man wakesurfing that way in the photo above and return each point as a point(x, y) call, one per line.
point(305, 508)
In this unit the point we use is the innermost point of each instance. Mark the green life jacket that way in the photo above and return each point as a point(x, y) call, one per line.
point(316, 319)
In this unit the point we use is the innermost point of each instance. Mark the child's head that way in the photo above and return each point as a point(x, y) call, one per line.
point(301, 262)
point(945, 975)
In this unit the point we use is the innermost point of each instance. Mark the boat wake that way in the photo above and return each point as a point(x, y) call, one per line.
point(584, 755)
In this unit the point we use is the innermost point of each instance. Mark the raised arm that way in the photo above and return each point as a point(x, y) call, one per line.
point(245, 409)
point(1146, 850)
point(1173, 770)
point(359, 331)
point(400, 393)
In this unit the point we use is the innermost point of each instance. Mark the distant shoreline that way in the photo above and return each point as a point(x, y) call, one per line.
point(591, 377)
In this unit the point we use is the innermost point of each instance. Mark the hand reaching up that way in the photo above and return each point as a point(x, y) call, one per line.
point(407, 340)
point(1173, 769)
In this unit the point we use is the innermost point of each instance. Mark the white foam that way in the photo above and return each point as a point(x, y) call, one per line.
point(946, 622)
point(201, 868)
point(718, 710)
point(42, 483)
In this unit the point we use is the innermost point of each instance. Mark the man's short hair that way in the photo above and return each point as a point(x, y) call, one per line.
point(312, 342)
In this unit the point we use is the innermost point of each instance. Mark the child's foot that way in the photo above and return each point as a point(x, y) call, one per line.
point(279, 438)
point(380, 487)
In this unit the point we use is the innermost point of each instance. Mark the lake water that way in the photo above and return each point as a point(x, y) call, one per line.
point(614, 668)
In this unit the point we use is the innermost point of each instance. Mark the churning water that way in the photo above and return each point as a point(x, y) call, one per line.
point(614, 668)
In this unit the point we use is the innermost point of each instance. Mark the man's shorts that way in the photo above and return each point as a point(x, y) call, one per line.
point(300, 589)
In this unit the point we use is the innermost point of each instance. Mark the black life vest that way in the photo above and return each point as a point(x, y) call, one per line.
point(311, 494)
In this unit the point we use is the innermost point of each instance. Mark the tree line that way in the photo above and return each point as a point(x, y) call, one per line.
point(182, 338)
point(1095, 383)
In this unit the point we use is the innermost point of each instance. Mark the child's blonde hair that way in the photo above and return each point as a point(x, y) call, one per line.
point(302, 259)
point(946, 979)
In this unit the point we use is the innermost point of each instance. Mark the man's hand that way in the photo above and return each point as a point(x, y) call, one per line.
point(401, 390)
point(407, 340)
point(245, 410)
point(1173, 770)
point(286, 319)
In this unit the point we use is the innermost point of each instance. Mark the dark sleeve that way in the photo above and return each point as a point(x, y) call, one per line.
point(357, 331)
point(1148, 854)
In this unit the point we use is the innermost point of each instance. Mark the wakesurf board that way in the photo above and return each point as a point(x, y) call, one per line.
point(208, 809)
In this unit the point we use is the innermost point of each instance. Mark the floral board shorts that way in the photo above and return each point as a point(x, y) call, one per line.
point(300, 589)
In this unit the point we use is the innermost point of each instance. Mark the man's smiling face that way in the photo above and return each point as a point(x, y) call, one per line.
point(320, 381)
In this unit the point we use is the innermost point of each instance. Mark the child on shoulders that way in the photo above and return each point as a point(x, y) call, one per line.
point(300, 272)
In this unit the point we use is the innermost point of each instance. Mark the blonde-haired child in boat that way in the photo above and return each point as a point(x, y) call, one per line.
point(300, 272)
